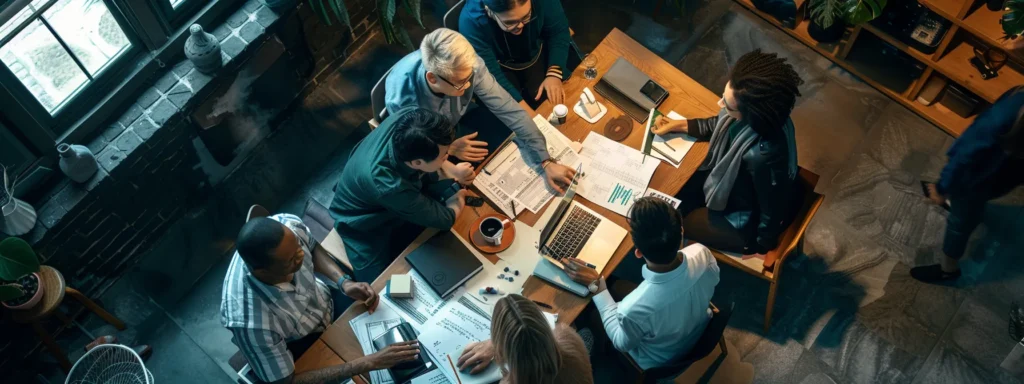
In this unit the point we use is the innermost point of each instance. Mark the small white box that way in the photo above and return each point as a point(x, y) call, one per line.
point(400, 286)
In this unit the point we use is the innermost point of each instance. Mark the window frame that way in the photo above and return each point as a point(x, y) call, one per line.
point(156, 37)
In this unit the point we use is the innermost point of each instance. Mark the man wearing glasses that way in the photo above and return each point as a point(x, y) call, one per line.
point(525, 43)
point(443, 76)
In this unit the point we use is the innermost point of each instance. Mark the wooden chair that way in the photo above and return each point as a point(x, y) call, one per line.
point(53, 294)
point(709, 339)
point(790, 240)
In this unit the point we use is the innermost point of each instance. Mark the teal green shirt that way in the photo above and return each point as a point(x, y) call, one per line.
point(377, 193)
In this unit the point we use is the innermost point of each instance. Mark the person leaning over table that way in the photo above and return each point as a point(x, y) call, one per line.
point(660, 320)
point(525, 44)
point(986, 162)
point(443, 76)
point(526, 349)
point(271, 298)
point(738, 200)
point(384, 187)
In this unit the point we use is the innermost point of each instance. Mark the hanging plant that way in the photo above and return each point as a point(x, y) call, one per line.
point(1013, 20)
point(862, 11)
point(394, 30)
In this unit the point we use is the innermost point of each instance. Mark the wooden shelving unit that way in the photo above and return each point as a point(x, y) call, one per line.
point(972, 25)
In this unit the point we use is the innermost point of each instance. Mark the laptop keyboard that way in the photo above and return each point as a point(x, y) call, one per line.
point(573, 235)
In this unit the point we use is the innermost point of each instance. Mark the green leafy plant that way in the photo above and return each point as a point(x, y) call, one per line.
point(862, 11)
point(391, 25)
point(17, 259)
point(826, 12)
point(1013, 20)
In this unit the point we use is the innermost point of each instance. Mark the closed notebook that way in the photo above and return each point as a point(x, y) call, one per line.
point(444, 262)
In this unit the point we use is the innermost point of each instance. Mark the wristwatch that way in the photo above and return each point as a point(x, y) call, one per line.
point(341, 281)
point(593, 287)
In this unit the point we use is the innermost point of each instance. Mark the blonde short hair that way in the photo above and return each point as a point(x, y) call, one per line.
point(446, 52)
point(523, 342)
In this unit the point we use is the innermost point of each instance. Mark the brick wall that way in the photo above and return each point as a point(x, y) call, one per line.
point(149, 168)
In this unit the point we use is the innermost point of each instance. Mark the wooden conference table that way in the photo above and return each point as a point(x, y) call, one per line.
point(686, 96)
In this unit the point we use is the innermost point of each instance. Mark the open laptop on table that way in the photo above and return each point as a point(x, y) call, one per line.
point(575, 231)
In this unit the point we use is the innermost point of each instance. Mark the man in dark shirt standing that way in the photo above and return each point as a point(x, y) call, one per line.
point(525, 44)
point(986, 162)
point(381, 187)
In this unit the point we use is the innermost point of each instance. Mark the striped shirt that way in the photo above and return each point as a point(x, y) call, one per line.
point(264, 318)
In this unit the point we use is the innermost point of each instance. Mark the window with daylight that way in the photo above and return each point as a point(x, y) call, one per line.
point(57, 48)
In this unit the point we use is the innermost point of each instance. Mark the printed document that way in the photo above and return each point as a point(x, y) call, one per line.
point(506, 177)
point(615, 175)
point(423, 304)
point(448, 333)
point(367, 327)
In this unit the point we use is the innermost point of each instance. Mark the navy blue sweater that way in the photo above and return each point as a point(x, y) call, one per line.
point(549, 29)
point(977, 155)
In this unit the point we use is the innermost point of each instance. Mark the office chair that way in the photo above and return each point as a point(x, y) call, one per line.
point(380, 111)
point(451, 18)
point(792, 239)
point(709, 339)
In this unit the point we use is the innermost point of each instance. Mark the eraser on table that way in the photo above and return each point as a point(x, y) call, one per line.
point(400, 286)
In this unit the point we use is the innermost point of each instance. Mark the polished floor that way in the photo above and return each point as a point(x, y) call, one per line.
point(847, 310)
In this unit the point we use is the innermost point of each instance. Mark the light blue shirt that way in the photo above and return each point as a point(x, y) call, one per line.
point(406, 87)
point(661, 320)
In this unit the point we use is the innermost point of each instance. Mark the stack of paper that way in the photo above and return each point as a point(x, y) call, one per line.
point(614, 175)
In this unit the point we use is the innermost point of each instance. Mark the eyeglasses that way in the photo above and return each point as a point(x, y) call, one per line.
point(458, 87)
point(727, 106)
point(514, 23)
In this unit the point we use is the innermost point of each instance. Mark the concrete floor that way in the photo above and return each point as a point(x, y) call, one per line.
point(847, 310)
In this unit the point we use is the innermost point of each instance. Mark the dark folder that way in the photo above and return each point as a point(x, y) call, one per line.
point(444, 262)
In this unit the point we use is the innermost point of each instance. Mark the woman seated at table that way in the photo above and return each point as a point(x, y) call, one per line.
point(737, 201)
point(526, 349)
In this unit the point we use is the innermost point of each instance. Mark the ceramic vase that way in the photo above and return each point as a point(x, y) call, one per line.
point(77, 161)
point(203, 50)
point(18, 217)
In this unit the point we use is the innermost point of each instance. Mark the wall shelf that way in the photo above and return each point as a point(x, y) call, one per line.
point(973, 24)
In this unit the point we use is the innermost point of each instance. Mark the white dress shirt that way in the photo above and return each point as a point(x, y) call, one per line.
point(663, 317)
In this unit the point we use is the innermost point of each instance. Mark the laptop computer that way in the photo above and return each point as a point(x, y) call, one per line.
point(444, 262)
point(631, 89)
point(575, 231)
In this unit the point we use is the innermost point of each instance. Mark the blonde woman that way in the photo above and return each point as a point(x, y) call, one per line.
point(527, 350)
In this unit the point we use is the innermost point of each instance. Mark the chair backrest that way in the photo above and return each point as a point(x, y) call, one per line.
point(806, 202)
point(451, 19)
point(380, 111)
point(707, 342)
point(255, 211)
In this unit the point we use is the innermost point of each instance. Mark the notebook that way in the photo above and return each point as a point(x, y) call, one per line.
point(444, 262)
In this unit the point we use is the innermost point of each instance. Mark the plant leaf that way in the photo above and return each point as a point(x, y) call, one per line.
point(341, 11)
point(862, 11)
point(10, 292)
point(322, 13)
point(414, 7)
point(17, 259)
point(1013, 20)
point(387, 11)
point(403, 36)
point(824, 12)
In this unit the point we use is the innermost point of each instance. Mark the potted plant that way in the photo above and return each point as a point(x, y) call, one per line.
point(18, 217)
point(20, 283)
point(857, 12)
point(827, 24)
point(393, 28)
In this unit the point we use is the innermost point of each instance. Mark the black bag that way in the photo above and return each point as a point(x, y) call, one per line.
point(783, 10)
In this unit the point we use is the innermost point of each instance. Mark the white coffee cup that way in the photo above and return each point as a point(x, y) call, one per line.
point(492, 228)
